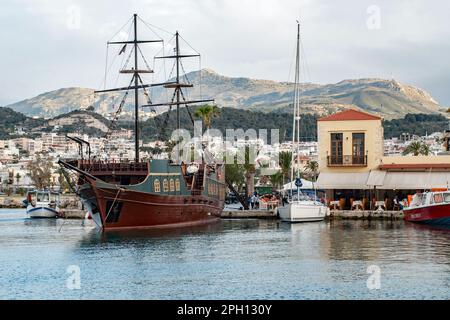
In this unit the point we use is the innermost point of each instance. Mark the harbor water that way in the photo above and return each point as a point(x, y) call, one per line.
point(231, 259)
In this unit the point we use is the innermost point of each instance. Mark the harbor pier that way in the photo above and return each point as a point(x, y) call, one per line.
point(366, 215)
point(249, 214)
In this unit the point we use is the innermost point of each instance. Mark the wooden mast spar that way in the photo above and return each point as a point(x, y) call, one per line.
point(136, 77)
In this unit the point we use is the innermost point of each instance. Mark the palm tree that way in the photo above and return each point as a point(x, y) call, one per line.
point(207, 113)
point(425, 149)
point(277, 180)
point(250, 171)
point(417, 148)
point(285, 160)
point(312, 167)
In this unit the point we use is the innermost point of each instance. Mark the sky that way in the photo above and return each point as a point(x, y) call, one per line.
point(52, 44)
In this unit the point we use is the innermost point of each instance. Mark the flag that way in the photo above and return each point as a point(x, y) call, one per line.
point(123, 50)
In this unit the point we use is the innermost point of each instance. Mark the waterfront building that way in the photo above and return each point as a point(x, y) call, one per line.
point(353, 166)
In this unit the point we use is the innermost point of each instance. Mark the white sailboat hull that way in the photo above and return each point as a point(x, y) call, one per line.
point(303, 211)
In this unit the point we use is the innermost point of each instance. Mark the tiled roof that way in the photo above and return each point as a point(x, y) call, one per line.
point(350, 114)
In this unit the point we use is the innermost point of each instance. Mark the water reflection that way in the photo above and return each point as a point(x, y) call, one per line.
point(40, 223)
point(132, 236)
point(232, 259)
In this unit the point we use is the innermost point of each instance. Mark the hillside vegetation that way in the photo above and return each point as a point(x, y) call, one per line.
point(93, 124)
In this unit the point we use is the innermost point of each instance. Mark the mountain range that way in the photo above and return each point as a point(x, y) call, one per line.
point(387, 97)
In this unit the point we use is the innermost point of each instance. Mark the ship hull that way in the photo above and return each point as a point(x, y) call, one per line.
point(114, 208)
point(433, 214)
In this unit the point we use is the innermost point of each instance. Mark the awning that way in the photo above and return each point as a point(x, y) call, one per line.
point(341, 180)
point(384, 180)
point(415, 180)
point(376, 178)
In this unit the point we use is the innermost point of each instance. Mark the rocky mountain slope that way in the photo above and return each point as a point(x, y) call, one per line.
point(389, 97)
point(78, 121)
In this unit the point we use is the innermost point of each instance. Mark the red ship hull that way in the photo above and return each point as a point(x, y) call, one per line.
point(433, 214)
point(114, 209)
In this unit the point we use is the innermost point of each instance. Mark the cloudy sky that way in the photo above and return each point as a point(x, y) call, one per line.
point(50, 44)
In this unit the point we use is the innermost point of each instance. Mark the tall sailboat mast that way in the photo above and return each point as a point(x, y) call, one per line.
point(298, 117)
point(135, 71)
point(296, 120)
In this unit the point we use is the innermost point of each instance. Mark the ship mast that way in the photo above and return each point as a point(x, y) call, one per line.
point(136, 91)
point(136, 78)
point(178, 99)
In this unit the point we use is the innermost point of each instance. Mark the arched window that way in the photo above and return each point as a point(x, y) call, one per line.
point(157, 186)
point(177, 185)
point(172, 185)
point(166, 185)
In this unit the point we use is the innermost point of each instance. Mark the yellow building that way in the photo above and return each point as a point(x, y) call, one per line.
point(353, 166)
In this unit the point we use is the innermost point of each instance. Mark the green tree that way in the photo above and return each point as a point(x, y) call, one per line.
point(235, 175)
point(312, 170)
point(40, 170)
point(417, 148)
point(207, 113)
point(277, 180)
point(250, 171)
point(285, 159)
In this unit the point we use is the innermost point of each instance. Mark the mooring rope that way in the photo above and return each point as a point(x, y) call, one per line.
point(113, 204)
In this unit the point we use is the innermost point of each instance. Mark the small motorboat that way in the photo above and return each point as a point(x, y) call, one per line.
point(431, 207)
point(42, 204)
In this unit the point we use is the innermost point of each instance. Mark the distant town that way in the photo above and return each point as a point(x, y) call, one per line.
point(17, 154)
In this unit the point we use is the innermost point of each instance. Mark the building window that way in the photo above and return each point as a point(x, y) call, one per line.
point(157, 186)
point(166, 185)
point(336, 148)
point(177, 185)
point(172, 185)
point(358, 148)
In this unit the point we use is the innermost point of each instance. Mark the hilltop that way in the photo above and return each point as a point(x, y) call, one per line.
point(389, 97)
point(78, 121)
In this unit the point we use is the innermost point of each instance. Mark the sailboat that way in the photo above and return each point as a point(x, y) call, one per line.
point(300, 207)
point(157, 193)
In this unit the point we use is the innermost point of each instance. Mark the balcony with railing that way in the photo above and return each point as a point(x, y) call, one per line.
point(347, 161)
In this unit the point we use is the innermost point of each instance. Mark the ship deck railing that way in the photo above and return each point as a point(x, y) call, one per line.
point(113, 166)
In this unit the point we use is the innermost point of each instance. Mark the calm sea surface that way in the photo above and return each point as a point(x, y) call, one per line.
point(241, 259)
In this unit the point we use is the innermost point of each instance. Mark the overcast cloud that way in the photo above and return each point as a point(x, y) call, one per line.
point(44, 48)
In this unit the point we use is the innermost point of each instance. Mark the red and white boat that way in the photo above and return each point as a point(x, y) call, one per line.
point(429, 207)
